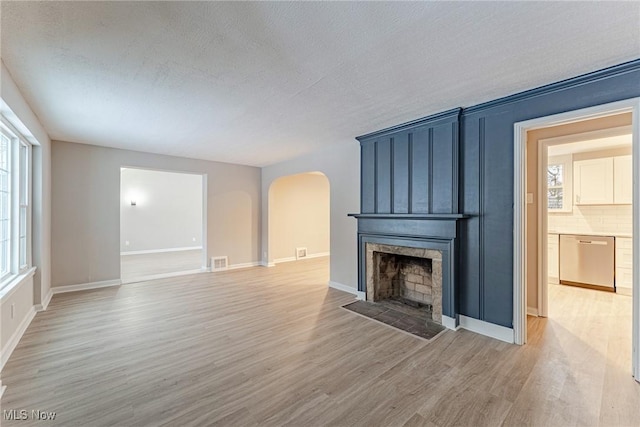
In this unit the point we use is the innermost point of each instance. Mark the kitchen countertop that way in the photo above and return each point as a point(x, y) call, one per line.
point(590, 233)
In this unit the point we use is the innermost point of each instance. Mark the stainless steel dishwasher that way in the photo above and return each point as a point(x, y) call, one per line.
point(587, 261)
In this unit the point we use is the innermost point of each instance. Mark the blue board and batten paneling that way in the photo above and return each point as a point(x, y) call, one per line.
point(412, 168)
point(461, 161)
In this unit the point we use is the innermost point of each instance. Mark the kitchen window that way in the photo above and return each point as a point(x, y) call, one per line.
point(559, 181)
point(15, 205)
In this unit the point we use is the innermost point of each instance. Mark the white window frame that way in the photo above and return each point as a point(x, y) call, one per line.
point(5, 258)
point(567, 182)
point(20, 211)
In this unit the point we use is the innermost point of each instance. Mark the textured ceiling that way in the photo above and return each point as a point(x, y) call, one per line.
point(258, 83)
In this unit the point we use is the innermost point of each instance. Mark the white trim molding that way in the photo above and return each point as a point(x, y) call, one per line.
point(244, 265)
point(450, 323)
point(631, 105)
point(158, 251)
point(350, 289)
point(45, 302)
point(292, 258)
point(287, 259)
point(267, 264)
point(318, 255)
point(16, 283)
point(161, 276)
point(488, 329)
point(15, 338)
point(532, 311)
point(85, 286)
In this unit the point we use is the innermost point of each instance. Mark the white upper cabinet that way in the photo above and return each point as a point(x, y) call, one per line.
point(622, 180)
point(593, 181)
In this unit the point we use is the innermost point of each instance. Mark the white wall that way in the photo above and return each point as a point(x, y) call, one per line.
point(86, 209)
point(299, 215)
point(168, 210)
point(33, 292)
point(341, 164)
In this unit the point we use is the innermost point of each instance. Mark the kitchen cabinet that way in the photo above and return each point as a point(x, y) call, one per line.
point(553, 258)
point(622, 180)
point(593, 181)
point(603, 181)
point(624, 265)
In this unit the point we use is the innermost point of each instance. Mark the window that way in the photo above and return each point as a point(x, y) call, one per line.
point(555, 186)
point(559, 182)
point(15, 204)
point(5, 205)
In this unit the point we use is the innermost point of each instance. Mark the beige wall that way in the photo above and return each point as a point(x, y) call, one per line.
point(86, 209)
point(341, 165)
point(299, 215)
point(533, 138)
point(168, 210)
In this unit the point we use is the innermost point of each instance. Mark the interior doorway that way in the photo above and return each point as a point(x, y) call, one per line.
point(563, 190)
point(299, 217)
point(161, 224)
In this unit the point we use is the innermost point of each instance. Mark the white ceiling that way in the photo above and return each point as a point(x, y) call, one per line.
point(586, 145)
point(258, 83)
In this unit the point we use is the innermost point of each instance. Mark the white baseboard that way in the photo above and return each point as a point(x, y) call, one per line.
point(449, 323)
point(158, 251)
point(292, 258)
point(245, 265)
point(350, 289)
point(287, 259)
point(624, 291)
point(47, 299)
point(532, 311)
point(267, 264)
point(85, 286)
point(45, 302)
point(318, 255)
point(485, 328)
point(163, 276)
point(11, 345)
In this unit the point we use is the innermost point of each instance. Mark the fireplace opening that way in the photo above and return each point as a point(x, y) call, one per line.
point(406, 279)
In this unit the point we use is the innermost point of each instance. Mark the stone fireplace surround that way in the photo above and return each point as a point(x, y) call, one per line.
point(426, 232)
point(413, 274)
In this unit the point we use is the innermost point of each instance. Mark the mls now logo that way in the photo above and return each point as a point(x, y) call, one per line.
point(15, 414)
point(23, 414)
point(42, 415)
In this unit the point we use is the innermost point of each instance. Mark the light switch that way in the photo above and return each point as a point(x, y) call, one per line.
point(529, 198)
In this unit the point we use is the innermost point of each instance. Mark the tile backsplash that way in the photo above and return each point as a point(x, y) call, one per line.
point(612, 219)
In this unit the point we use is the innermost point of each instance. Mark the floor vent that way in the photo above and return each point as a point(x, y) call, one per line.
point(219, 263)
point(301, 253)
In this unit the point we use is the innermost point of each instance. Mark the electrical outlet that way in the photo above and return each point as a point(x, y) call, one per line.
point(194, 239)
point(126, 243)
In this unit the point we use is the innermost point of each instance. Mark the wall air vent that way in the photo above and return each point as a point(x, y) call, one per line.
point(219, 263)
point(301, 253)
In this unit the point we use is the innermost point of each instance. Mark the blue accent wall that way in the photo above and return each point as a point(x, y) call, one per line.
point(461, 161)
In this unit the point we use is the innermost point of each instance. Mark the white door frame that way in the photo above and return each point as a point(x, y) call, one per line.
point(520, 218)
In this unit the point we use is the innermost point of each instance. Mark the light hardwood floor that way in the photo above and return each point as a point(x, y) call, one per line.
point(134, 267)
point(272, 346)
